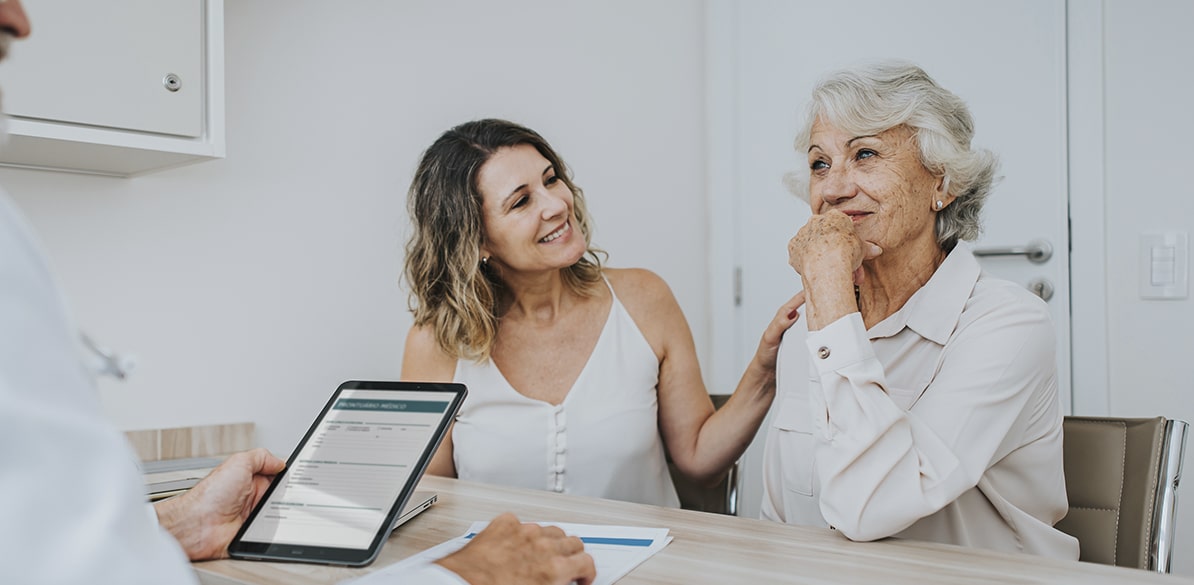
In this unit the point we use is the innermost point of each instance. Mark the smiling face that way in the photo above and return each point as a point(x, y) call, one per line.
point(528, 213)
point(878, 180)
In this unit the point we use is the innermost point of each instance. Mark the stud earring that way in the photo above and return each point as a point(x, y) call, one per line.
point(485, 261)
point(940, 205)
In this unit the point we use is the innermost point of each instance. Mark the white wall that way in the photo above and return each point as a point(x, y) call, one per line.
point(1148, 158)
point(1149, 188)
point(250, 287)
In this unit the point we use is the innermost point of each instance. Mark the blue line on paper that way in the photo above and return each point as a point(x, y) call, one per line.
point(601, 540)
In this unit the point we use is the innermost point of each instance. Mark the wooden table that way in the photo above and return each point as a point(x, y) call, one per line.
point(708, 548)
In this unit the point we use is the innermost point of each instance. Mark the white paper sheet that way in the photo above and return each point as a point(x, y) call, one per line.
point(616, 550)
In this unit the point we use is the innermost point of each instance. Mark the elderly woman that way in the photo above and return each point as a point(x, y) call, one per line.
point(579, 375)
point(931, 409)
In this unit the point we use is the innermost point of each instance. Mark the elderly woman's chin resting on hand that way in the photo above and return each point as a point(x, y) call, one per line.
point(829, 250)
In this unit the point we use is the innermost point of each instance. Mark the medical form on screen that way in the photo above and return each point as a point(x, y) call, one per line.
point(351, 469)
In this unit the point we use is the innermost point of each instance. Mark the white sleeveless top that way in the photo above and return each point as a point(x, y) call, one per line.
point(601, 441)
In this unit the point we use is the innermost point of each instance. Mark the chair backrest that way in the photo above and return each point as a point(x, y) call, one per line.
point(1121, 478)
point(721, 498)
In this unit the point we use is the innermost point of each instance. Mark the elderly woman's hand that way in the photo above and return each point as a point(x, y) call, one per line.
point(828, 255)
point(827, 244)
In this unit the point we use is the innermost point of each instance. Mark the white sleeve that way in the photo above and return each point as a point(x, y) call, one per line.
point(433, 573)
point(70, 492)
point(883, 468)
point(420, 573)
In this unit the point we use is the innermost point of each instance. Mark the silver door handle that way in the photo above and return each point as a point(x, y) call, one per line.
point(1037, 251)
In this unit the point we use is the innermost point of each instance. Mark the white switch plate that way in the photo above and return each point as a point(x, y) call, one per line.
point(1164, 265)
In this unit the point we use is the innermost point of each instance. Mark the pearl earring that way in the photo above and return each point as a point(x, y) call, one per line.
point(940, 205)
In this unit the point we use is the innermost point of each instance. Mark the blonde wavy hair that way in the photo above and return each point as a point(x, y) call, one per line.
point(451, 290)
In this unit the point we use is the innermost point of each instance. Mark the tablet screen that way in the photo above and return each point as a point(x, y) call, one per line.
point(351, 474)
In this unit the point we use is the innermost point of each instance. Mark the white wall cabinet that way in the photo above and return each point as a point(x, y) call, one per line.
point(116, 88)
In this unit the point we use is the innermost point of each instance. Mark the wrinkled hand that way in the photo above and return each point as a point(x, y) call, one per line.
point(509, 552)
point(206, 517)
point(828, 255)
point(828, 242)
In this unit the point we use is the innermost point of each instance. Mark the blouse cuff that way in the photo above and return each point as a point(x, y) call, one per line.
point(840, 344)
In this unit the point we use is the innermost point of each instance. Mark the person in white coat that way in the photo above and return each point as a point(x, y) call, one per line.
point(72, 505)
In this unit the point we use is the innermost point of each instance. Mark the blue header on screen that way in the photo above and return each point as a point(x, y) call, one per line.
point(406, 405)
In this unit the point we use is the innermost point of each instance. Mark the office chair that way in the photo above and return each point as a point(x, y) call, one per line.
point(721, 498)
point(1121, 478)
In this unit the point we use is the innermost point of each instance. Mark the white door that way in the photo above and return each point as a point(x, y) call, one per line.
point(1007, 60)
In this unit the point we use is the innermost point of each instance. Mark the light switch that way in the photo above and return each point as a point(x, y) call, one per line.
point(1163, 265)
point(1163, 258)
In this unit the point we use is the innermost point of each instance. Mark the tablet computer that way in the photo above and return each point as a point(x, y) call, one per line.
point(343, 488)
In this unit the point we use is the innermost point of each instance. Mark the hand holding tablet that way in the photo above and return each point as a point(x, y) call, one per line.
point(351, 474)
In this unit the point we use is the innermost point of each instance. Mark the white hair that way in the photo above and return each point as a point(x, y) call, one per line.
point(875, 97)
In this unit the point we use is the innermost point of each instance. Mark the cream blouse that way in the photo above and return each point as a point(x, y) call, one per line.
point(940, 423)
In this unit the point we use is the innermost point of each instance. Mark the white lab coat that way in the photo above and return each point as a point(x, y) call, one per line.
point(72, 502)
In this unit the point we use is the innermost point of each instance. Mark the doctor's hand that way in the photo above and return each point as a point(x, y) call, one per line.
point(508, 551)
point(205, 518)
